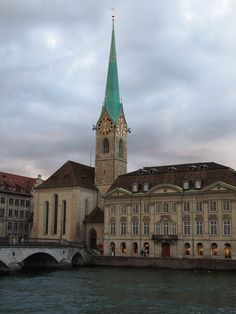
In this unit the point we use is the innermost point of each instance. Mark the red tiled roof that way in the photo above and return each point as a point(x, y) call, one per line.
point(208, 172)
point(70, 174)
point(15, 183)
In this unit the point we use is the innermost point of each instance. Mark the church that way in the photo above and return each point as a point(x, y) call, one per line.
point(183, 210)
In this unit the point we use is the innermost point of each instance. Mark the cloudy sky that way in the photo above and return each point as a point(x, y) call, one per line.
point(177, 74)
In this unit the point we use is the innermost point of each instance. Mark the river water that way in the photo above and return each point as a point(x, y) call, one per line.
point(118, 290)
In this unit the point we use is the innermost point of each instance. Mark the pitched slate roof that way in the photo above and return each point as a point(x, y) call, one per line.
point(96, 216)
point(71, 174)
point(207, 172)
point(17, 184)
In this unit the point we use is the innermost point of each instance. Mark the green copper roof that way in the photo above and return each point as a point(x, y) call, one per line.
point(112, 97)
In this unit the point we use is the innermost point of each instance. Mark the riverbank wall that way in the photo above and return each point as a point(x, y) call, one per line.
point(169, 263)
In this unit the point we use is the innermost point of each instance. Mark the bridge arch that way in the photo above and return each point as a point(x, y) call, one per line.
point(39, 260)
point(77, 260)
point(3, 266)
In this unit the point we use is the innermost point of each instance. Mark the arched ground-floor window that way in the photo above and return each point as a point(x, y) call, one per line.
point(227, 250)
point(123, 247)
point(135, 247)
point(146, 248)
point(93, 239)
point(214, 249)
point(112, 248)
point(200, 249)
point(187, 248)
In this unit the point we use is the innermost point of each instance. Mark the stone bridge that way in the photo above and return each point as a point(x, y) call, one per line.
point(44, 255)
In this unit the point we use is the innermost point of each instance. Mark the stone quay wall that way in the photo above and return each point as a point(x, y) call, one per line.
point(169, 263)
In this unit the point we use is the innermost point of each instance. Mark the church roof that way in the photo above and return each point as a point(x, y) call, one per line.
point(112, 102)
point(96, 216)
point(207, 172)
point(71, 174)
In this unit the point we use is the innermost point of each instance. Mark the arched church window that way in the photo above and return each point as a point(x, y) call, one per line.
point(121, 148)
point(46, 216)
point(55, 214)
point(105, 146)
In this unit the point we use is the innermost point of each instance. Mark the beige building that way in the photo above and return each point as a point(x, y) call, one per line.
point(63, 201)
point(186, 210)
point(16, 206)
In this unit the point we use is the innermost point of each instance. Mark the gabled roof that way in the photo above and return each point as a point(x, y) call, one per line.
point(18, 184)
point(96, 216)
point(207, 172)
point(71, 174)
point(112, 103)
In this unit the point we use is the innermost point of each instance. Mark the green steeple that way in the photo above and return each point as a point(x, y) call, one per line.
point(112, 96)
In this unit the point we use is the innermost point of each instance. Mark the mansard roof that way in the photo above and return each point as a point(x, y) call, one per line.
point(96, 216)
point(16, 184)
point(207, 172)
point(71, 174)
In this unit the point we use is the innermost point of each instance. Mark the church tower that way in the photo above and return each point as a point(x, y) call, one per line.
point(111, 129)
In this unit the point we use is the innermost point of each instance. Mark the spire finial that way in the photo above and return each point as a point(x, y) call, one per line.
point(113, 17)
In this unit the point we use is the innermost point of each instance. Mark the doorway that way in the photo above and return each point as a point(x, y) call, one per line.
point(93, 239)
point(165, 250)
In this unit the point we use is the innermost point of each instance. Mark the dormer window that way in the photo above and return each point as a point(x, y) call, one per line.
point(153, 171)
point(145, 186)
point(192, 167)
point(142, 171)
point(172, 168)
point(203, 167)
point(186, 185)
point(198, 184)
point(135, 187)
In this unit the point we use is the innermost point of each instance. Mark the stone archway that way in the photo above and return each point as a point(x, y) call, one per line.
point(39, 260)
point(77, 260)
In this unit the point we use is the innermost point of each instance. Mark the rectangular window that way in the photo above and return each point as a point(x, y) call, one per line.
point(134, 228)
point(186, 227)
point(11, 201)
point(123, 228)
point(10, 213)
point(1, 212)
point(165, 207)
point(173, 207)
point(226, 227)
point(174, 229)
point(112, 209)
point(113, 228)
point(226, 205)
point(199, 227)
point(166, 228)
point(16, 213)
point(158, 207)
point(135, 209)
point(186, 185)
point(146, 208)
point(2, 200)
point(123, 209)
point(186, 207)
point(146, 228)
point(135, 187)
point(26, 227)
point(199, 207)
point(212, 206)
point(17, 202)
point(213, 227)
point(9, 226)
point(21, 214)
point(198, 184)
point(22, 202)
point(27, 204)
point(21, 226)
point(15, 226)
point(27, 214)
point(158, 229)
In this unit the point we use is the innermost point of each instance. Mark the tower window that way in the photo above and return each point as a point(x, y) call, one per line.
point(105, 146)
point(121, 148)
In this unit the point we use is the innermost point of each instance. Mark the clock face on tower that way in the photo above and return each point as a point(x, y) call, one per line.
point(121, 127)
point(105, 126)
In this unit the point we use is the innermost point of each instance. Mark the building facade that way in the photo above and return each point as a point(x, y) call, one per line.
point(182, 211)
point(62, 202)
point(16, 206)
